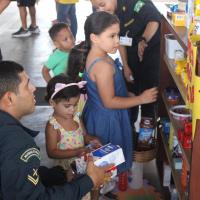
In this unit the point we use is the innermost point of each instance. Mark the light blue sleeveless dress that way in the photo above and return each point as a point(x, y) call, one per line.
point(109, 125)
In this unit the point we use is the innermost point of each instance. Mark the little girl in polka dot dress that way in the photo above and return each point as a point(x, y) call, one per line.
point(65, 135)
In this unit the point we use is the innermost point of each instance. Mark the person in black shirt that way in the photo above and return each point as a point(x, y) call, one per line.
point(20, 156)
point(139, 22)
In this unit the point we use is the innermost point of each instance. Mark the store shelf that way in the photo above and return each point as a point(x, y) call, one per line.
point(180, 32)
point(186, 153)
point(177, 79)
point(175, 173)
point(169, 78)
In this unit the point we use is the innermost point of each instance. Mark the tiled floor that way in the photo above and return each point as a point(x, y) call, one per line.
point(32, 52)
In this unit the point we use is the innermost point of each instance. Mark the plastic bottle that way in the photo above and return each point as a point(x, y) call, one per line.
point(174, 195)
point(123, 181)
point(137, 175)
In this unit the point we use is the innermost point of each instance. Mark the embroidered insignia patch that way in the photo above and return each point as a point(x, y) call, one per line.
point(34, 178)
point(138, 6)
point(30, 153)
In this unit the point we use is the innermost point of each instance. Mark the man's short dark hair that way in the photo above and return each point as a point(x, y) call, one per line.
point(9, 76)
point(56, 28)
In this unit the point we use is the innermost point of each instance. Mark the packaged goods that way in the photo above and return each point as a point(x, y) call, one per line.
point(108, 154)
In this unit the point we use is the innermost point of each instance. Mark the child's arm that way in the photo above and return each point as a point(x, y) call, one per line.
point(102, 74)
point(46, 74)
point(52, 138)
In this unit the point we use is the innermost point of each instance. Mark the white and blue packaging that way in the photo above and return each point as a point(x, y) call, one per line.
point(108, 154)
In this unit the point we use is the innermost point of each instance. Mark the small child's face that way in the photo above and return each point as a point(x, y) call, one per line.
point(64, 40)
point(66, 109)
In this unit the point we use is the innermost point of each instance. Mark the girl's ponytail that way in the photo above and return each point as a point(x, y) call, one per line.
point(77, 61)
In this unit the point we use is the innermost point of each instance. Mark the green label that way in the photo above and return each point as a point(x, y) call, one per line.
point(138, 6)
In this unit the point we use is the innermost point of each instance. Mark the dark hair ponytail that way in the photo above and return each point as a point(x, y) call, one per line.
point(77, 60)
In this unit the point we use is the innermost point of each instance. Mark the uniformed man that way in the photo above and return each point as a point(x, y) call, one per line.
point(20, 157)
point(140, 34)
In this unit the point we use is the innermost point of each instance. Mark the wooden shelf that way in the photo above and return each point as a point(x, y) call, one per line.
point(176, 78)
point(175, 173)
point(180, 32)
point(168, 78)
point(186, 153)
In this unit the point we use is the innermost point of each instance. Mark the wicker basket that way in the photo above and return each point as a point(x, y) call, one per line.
point(144, 156)
point(144, 151)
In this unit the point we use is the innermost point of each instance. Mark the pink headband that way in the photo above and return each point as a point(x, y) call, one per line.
point(61, 86)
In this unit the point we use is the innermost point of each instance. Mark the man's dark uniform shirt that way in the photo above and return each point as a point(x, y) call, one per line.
point(134, 16)
point(19, 162)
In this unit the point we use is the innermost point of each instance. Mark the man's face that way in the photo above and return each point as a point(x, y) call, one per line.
point(105, 5)
point(24, 100)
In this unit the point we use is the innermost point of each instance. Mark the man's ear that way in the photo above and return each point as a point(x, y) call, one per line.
point(8, 98)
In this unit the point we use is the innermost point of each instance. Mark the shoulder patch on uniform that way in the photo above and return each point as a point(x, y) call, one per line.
point(30, 153)
point(138, 6)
